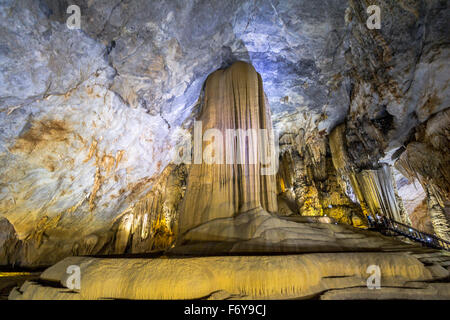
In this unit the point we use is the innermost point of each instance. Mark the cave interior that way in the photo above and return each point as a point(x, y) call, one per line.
point(237, 149)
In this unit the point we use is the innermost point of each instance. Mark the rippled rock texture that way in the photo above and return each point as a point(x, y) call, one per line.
point(323, 276)
point(235, 169)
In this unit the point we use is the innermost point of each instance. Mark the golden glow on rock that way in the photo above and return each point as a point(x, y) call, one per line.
point(234, 99)
point(14, 274)
point(247, 277)
point(282, 186)
point(151, 223)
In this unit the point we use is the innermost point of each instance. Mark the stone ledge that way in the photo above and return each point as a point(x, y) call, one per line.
point(324, 275)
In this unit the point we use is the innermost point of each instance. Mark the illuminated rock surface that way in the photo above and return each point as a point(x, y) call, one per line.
point(233, 181)
point(90, 119)
point(338, 275)
point(232, 207)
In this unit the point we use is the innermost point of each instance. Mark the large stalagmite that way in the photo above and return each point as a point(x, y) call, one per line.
point(237, 154)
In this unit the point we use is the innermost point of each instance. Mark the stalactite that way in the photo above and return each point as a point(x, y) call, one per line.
point(438, 218)
point(426, 158)
point(378, 192)
point(290, 182)
point(150, 225)
point(375, 189)
point(307, 169)
point(343, 165)
point(345, 168)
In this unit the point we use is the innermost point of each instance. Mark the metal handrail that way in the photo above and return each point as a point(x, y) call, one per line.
point(427, 239)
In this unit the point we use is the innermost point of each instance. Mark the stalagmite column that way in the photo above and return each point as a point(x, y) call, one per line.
point(233, 170)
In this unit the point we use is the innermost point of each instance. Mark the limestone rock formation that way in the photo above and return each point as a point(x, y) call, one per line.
point(91, 120)
point(426, 158)
point(375, 188)
point(151, 224)
point(236, 149)
point(230, 202)
point(309, 180)
point(326, 276)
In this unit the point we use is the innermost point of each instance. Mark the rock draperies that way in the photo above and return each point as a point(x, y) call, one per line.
point(379, 193)
point(426, 158)
point(438, 217)
point(308, 183)
point(374, 188)
point(150, 225)
point(227, 182)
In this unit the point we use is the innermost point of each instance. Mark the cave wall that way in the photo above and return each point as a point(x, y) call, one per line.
point(397, 89)
point(310, 185)
point(426, 159)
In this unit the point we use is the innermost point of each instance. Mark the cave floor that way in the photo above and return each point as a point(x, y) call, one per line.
point(418, 274)
point(267, 258)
